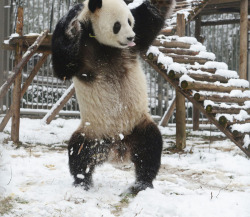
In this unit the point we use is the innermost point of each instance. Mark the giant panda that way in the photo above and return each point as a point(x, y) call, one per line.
point(97, 45)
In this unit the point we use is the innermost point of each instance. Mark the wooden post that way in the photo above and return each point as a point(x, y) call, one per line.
point(243, 38)
point(165, 119)
point(24, 88)
point(17, 85)
point(180, 99)
point(3, 34)
point(196, 112)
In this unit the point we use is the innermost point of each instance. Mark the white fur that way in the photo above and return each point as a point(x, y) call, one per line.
point(103, 21)
point(113, 108)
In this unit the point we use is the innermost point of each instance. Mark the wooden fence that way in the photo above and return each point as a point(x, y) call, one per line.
point(45, 90)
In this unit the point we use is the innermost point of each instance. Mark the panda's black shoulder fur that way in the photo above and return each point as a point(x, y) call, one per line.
point(67, 43)
point(72, 41)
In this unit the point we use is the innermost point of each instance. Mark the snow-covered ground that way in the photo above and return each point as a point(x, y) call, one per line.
point(210, 179)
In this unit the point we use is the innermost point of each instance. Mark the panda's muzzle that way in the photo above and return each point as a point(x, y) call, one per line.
point(130, 43)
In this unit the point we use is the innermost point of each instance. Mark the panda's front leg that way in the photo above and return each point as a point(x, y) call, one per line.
point(146, 149)
point(74, 28)
point(84, 154)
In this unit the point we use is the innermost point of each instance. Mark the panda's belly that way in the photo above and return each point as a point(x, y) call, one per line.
point(112, 107)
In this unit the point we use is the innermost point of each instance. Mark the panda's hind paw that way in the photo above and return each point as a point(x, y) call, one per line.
point(86, 185)
point(137, 187)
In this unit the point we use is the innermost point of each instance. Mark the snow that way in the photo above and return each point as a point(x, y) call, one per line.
point(246, 141)
point(208, 102)
point(185, 78)
point(198, 47)
point(165, 60)
point(238, 83)
point(32, 34)
point(243, 115)
point(154, 50)
point(209, 179)
point(121, 136)
point(216, 65)
point(135, 4)
point(11, 36)
point(177, 68)
point(186, 39)
point(207, 55)
point(227, 73)
point(242, 128)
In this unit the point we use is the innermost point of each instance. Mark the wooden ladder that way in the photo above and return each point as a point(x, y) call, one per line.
point(209, 85)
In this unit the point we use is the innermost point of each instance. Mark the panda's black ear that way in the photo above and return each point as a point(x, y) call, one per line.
point(94, 4)
point(128, 1)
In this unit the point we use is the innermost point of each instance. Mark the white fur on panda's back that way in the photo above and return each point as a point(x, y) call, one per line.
point(112, 108)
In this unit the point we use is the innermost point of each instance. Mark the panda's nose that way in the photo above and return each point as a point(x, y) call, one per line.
point(130, 38)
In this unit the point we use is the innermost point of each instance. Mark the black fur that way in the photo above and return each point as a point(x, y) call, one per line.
point(94, 4)
point(65, 48)
point(146, 147)
point(144, 144)
point(84, 155)
point(148, 23)
point(73, 55)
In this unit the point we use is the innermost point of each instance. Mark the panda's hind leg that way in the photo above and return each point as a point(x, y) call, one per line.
point(84, 154)
point(146, 148)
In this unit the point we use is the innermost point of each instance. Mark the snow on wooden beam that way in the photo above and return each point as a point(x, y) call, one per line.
point(199, 77)
point(198, 86)
point(225, 122)
point(218, 98)
point(214, 109)
point(172, 44)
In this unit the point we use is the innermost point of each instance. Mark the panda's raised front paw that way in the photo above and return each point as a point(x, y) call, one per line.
point(137, 187)
point(73, 28)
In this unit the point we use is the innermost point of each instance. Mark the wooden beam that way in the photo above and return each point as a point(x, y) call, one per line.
point(18, 68)
point(165, 119)
point(41, 49)
point(225, 122)
point(28, 40)
point(24, 88)
point(179, 51)
point(180, 99)
point(16, 95)
point(217, 98)
point(59, 104)
point(216, 2)
point(172, 44)
point(188, 59)
point(217, 109)
point(220, 22)
point(198, 86)
point(243, 38)
point(196, 112)
point(199, 77)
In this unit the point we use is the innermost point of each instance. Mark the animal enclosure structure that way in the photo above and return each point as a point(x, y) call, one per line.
point(175, 56)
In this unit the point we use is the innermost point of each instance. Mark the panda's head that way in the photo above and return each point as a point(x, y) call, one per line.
point(112, 22)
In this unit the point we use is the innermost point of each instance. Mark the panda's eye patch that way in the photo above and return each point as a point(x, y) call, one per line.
point(116, 27)
point(129, 22)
